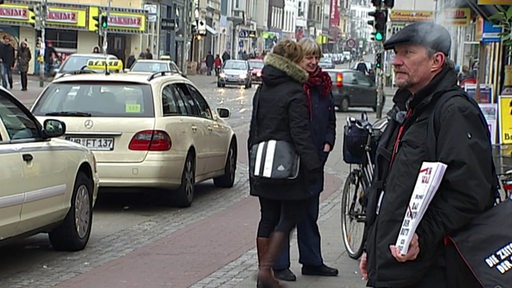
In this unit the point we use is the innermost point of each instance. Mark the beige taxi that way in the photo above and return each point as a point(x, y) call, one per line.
point(146, 130)
point(46, 184)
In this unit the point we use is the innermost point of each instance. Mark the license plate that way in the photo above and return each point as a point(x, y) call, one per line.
point(104, 144)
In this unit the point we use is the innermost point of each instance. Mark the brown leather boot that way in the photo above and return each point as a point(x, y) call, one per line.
point(274, 244)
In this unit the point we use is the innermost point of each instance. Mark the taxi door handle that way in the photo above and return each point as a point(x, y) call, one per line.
point(27, 157)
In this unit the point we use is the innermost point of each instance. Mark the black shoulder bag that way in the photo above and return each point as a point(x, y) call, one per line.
point(273, 159)
point(480, 254)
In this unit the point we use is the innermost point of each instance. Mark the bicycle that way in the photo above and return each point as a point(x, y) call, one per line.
point(353, 197)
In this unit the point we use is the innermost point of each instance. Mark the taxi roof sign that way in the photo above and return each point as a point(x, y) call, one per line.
point(100, 64)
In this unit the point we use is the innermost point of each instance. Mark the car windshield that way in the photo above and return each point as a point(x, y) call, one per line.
point(105, 99)
point(236, 65)
point(152, 67)
point(76, 63)
point(256, 64)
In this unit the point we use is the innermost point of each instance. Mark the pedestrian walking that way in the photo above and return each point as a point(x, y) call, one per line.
point(50, 54)
point(37, 54)
point(282, 115)
point(323, 132)
point(7, 54)
point(225, 56)
point(131, 59)
point(424, 75)
point(218, 64)
point(148, 54)
point(361, 66)
point(24, 56)
point(209, 63)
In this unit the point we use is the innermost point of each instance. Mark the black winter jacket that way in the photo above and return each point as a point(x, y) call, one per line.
point(465, 191)
point(283, 115)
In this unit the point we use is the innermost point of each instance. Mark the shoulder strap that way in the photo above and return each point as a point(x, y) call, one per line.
point(433, 128)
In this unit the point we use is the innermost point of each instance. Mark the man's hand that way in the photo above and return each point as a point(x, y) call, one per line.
point(412, 253)
point(362, 266)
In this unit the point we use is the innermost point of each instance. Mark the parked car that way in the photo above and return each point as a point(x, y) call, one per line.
point(235, 72)
point(352, 88)
point(256, 65)
point(154, 65)
point(326, 63)
point(78, 62)
point(48, 185)
point(146, 130)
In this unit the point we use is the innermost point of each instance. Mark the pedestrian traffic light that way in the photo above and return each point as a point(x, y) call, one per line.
point(380, 18)
point(104, 21)
point(36, 17)
point(378, 60)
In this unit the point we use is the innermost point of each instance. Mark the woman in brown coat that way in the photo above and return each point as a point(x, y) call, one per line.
point(24, 57)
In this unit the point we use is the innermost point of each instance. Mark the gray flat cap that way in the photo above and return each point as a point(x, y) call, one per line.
point(428, 34)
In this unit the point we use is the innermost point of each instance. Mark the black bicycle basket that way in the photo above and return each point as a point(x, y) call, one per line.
point(355, 137)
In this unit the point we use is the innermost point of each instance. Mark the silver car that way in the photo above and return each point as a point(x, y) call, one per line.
point(235, 72)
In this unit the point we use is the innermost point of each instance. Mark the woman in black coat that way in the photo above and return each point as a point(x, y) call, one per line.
point(282, 115)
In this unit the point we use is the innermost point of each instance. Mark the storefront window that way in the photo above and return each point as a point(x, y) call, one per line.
point(62, 38)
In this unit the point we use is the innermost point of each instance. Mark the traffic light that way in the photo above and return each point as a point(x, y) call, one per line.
point(104, 21)
point(378, 60)
point(379, 22)
point(97, 19)
point(389, 3)
point(36, 10)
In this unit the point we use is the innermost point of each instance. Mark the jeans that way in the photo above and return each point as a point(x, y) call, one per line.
point(6, 75)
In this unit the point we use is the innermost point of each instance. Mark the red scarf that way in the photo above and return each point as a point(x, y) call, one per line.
point(315, 79)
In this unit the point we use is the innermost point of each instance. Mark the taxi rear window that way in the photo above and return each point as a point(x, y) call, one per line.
point(104, 99)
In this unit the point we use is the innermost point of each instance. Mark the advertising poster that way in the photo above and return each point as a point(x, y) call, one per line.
point(505, 106)
point(485, 95)
point(490, 112)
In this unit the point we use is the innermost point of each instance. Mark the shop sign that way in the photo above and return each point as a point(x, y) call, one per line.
point(68, 17)
point(247, 33)
point(505, 114)
point(411, 16)
point(494, 2)
point(490, 32)
point(457, 17)
point(14, 12)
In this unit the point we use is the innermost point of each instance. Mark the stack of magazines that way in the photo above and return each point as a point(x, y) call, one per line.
point(429, 179)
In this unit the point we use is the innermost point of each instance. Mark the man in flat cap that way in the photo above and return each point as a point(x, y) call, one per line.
point(425, 77)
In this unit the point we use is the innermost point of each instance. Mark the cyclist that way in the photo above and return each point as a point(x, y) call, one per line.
point(424, 74)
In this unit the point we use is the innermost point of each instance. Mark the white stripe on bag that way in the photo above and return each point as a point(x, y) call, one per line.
point(259, 155)
point(269, 158)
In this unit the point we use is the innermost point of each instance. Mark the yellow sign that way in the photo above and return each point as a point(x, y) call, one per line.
point(494, 2)
point(458, 17)
point(100, 64)
point(409, 16)
point(505, 119)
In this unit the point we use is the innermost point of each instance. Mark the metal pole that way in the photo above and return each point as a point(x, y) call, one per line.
point(42, 64)
point(105, 42)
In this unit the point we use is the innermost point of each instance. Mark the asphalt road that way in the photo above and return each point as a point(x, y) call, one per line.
point(136, 242)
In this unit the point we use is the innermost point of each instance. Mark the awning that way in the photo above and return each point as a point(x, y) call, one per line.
point(211, 30)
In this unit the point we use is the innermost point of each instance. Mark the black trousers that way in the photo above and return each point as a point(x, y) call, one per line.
point(280, 215)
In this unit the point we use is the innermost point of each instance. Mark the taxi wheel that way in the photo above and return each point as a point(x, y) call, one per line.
point(184, 195)
point(73, 233)
point(227, 180)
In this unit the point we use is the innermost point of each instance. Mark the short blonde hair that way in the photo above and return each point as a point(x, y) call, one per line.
point(289, 49)
point(310, 47)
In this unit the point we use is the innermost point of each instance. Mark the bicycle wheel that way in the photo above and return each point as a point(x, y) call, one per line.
point(353, 215)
